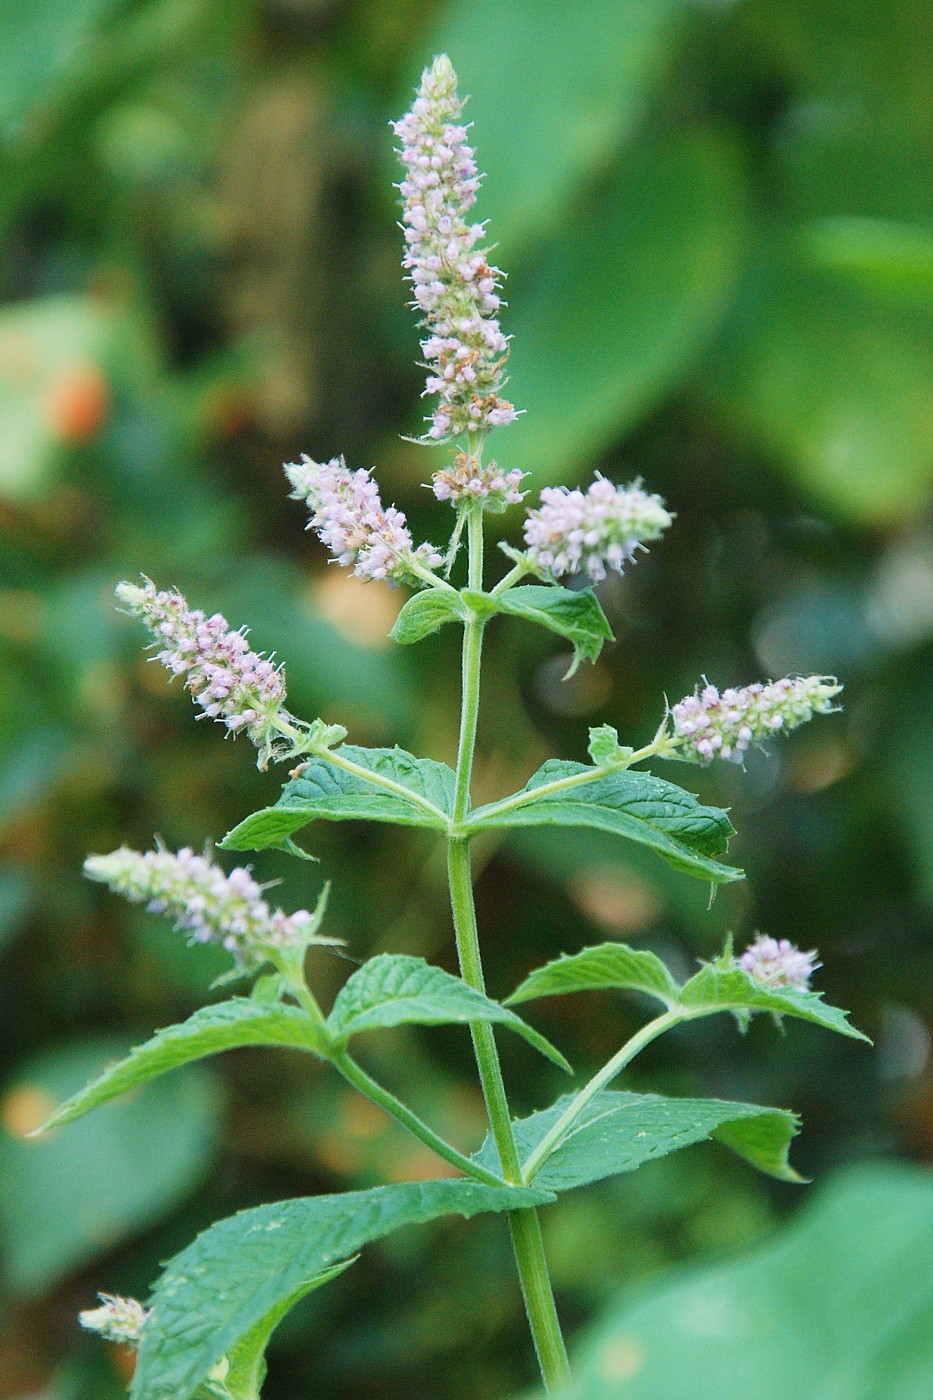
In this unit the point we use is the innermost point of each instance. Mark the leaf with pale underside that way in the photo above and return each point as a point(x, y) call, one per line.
point(634, 805)
point(606, 966)
point(424, 613)
point(573, 614)
point(237, 1273)
point(227, 1025)
point(721, 987)
point(394, 990)
point(325, 792)
point(619, 1131)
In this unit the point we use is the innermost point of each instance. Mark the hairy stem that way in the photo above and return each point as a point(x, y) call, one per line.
point(589, 775)
point(523, 1224)
point(630, 1049)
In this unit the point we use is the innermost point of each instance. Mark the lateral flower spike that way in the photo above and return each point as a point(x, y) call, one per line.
point(596, 531)
point(776, 962)
point(455, 288)
point(350, 519)
point(710, 724)
point(117, 1319)
point(208, 904)
point(232, 684)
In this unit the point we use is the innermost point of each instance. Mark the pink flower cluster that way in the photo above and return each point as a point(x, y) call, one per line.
point(469, 480)
point(596, 530)
point(211, 906)
point(711, 725)
point(231, 683)
point(117, 1319)
point(455, 289)
point(778, 963)
point(350, 519)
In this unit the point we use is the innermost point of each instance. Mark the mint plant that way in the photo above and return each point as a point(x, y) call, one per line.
point(205, 1329)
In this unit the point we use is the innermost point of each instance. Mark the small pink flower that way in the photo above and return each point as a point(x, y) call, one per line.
point(710, 724)
point(778, 963)
point(598, 530)
point(468, 480)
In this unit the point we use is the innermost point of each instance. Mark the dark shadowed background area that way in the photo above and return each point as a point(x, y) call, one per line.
point(717, 221)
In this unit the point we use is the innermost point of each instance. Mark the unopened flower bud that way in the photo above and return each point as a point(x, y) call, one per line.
point(710, 724)
point(211, 906)
point(453, 285)
point(350, 519)
point(778, 963)
point(117, 1319)
point(598, 530)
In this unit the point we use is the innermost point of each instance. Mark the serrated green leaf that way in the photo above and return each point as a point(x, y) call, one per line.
point(604, 747)
point(324, 791)
point(619, 1131)
point(425, 613)
point(603, 967)
point(637, 806)
point(718, 988)
point(394, 990)
point(576, 615)
point(224, 1026)
point(235, 1274)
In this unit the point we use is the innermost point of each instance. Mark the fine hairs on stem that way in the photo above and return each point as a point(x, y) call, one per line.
point(204, 1330)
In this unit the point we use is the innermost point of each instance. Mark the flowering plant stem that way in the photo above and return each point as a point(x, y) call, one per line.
point(524, 1226)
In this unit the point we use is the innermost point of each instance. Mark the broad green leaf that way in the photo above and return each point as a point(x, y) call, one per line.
point(605, 966)
point(836, 1303)
point(723, 988)
point(71, 1197)
point(543, 123)
point(619, 1131)
point(238, 1272)
point(224, 1026)
point(327, 792)
point(889, 257)
point(637, 806)
point(574, 615)
point(622, 302)
point(425, 613)
point(393, 990)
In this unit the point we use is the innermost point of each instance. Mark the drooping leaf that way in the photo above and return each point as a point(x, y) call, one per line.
point(848, 1279)
point(394, 989)
point(634, 805)
point(602, 967)
point(224, 1026)
point(238, 1272)
point(722, 988)
point(619, 1131)
point(324, 791)
point(574, 615)
point(70, 1197)
point(424, 613)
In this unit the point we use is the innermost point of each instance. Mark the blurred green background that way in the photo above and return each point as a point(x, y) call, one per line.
point(717, 221)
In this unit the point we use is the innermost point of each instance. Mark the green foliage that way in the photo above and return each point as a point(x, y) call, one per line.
point(325, 791)
point(606, 966)
point(68, 1196)
point(636, 806)
point(424, 613)
point(835, 1303)
point(574, 615)
point(227, 1025)
point(604, 747)
point(395, 990)
point(619, 1131)
point(721, 987)
point(232, 1278)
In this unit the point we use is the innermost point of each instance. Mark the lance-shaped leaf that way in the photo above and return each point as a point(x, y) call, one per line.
point(227, 1025)
point(605, 966)
point(576, 615)
point(635, 805)
point(238, 1272)
point(385, 785)
point(619, 1131)
point(394, 990)
point(424, 613)
point(721, 987)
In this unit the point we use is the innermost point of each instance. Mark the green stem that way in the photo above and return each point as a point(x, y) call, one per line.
point(355, 1074)
point(524, 1226)
point(510, 579)
point(630, 1049)
point(589, 775)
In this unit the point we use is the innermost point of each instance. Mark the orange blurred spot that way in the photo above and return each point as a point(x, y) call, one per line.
point(364, 613)
point(77, 403)
point(24, 1108)
point(616, 899)
point(362, 1119)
